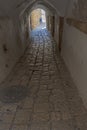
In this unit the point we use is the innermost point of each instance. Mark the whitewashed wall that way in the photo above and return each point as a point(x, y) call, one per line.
point(74, 52)
point(9, 39)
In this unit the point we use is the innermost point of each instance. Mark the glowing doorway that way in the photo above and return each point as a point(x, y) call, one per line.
point(38, 19)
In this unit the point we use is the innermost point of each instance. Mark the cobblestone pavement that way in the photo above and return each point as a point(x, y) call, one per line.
point(52, 101)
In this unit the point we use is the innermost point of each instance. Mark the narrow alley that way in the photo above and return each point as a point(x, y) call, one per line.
point(39, 93)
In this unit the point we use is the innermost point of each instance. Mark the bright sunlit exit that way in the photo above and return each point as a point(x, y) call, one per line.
point(38, 19)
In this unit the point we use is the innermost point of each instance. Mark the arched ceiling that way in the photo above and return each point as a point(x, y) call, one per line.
point(68, 8)
point(14, 7)
point(47, 10)
point(40, 4)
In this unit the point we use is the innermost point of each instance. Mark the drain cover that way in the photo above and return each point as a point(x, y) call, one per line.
point(13, 94)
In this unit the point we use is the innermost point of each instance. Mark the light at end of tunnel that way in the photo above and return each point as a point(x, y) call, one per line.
point(44, 28)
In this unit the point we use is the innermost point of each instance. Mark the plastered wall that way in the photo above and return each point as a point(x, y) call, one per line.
point(10, 49)
point(74, 52)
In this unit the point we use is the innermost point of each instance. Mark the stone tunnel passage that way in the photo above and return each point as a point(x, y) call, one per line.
point(52, 102)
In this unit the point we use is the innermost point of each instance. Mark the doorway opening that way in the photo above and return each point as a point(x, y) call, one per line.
point(38, 19)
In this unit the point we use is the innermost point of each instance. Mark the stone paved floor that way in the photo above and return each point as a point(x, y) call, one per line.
point(52, 101)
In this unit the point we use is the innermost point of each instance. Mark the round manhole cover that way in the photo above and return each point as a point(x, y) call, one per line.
point(13, 94)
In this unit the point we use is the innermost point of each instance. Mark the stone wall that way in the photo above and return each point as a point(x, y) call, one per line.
point(82, 26)
point(77, 9)
point(80, 9)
